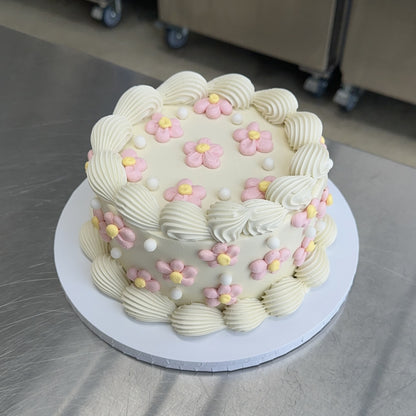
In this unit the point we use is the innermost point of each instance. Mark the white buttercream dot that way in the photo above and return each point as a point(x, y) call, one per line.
point(237, 118)
point(152, 184)
point(273, 242)
point(320, 225)
point(310, 232)
point(226, 278)
point(95, 203)
point(175, 293)
point(182, 113)
point(139, 142)
point(268, 163)
point(150, 245)
point(115, 253)
point(224, 194)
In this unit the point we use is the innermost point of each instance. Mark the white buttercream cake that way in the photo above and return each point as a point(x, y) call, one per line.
point(210, 207)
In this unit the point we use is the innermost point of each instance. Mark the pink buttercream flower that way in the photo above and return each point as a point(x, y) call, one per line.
point(203, 152)
point(177, 272)
point(133, 165)
point(220, 254)
point(307, 246)
point(90, 154)
point(143, 279)
point(213, 106)
point(270, 263)
point(316, 208)
point(255, 188)
point(223, 294)
point(185, 191)
point(253, 140)
point(111, 226)
point(164, 128)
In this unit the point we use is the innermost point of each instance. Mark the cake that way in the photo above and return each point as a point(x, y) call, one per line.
point(210, 206)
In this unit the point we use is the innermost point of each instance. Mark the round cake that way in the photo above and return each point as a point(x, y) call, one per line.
point(210, 207)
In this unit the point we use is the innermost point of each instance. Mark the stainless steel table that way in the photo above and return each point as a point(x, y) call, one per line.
point(362, 363)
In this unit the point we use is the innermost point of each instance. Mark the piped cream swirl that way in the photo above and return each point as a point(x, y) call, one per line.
point(245, 315)
point(90, 241)
point(326, 236)
point(301, 128)
point(311, 160)
point(315, 270)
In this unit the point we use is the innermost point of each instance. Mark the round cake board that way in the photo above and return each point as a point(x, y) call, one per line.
point(225, 350)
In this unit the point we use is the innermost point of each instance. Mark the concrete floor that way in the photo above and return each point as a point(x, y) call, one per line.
point(379, 125)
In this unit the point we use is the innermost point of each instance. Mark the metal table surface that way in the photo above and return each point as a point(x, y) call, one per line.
point(362, 363)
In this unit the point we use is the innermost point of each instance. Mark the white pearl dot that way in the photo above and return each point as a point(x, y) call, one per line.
point(237, 118)
point(152, 184)
point(139, 142)
point(268, 163)
point(175, 293)
point(224, 194)
point(115, 253)
point(150, 245)
point(273, 242)
point(310, 232)
point(182, 113)
point(95, 203)
point(226, 278)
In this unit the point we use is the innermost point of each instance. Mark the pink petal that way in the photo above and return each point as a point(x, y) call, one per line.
point(144, 274)
point(216, 150)
point(233, 251)
point(127, 234)
point(299, 257)
point(248, 147)
point(162, 135)
point(187, 281)
point(207, 255)
point(90, 154)
point(184, 181)
point(258, 266)
point(153, 285)
point(176, 129)
point(199, 191)
point(194, 199)
point(99, 214)
point(163, 267)
point(269, 178)
point(253, 126)
point(265, 134)
point(250, 182)
point(305, 242)
point(132, 273)
point(170, 193)
point(212, 302)
point(235, 290)
point(201, 105)
point(151, 127)
point(251, 193)
point(210, 160)
point(213, 263)
point(194, 160)
point(240, 134)
point(118, 221)
point(141, 164)
point(205, 140)
point(264, 145)
point(325, 194)
point(271, 256)
point(189, 272)
point(124, 243)
point(210, 293)
point(233, 261)
point(108, 217)
point(129, 153)
point(299, 219)
point(133, 173)
point(258, 276)
point(284, 254)
point(213, 111)
point(224, 290)
point(219, 248)
point(226, 107)
point(177, 265)
point(189, 147)
point(157, 116)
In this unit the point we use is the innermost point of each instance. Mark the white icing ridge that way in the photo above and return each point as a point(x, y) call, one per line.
point(138, 103)
point(111, 133)
point(235, 88)
point(197, 319)
point(275, 104)
point(327, 236)
point(311, 160)
point(138, 206)
point(284, 296)
point(263, 216)
point(108, 275)
point(245, 315)
point(183, 221)
point(147, 306)
point(106, 174)
point(315, 270)
point(292, 192)
point(91, 242)
point(185, 87)
point(302, 128)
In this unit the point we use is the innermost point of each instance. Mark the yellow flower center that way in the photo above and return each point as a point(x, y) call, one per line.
point(185, 189)
point(213, 98)
point(311, 211)
point(223, 259)
point(165, 122)
point(274, 266)
point(95, 222)
point(253, 135)
point(86, 165)
point(322, 140)
point(225, 298)
point(176, 277)
point(329, 200)
point(202, 147)
point(128, 161)
point(311, 247)
point(140, 282)
point(263, 185)
point(111, 230)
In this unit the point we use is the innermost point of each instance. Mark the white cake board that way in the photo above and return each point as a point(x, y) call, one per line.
point(225, 350)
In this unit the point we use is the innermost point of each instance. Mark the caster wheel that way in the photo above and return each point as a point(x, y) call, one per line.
point(176, 37)
point(111, 17)
point(347, 97)
point(316, 85)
